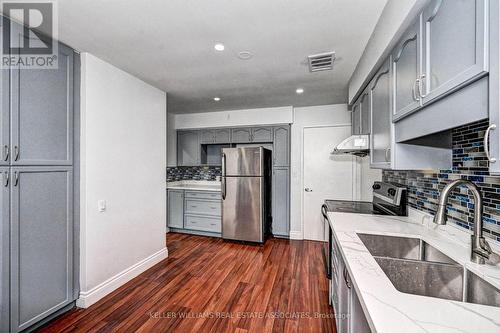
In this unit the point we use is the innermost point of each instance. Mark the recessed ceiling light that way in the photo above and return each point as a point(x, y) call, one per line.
point(216, 99)
point(219, 47)
point(299, 91)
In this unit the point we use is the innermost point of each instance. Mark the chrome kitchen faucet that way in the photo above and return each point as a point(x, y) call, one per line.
point(480, 249)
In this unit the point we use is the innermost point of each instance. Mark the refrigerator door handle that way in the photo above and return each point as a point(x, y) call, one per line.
point(223, 184)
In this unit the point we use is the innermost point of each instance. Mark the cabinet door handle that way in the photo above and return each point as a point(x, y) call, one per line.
point(16, 178)
point(346, 279)
point(414, 89)
point(420, 86)
point(6, 179)
point(387, 154)
point(16, 152)
point(487, 143)
point(6, 152)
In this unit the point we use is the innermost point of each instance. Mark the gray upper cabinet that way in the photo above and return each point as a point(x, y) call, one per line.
point(41, 247)
point(262, 134)
point(405, 60)
point(281, 202)
point(364, 105)
point(42, 113)
point(4, 248)
point(188, 148)
point(454, 52)
point(493, 131)
point(222, 135)
point(356, 118)
point(4, 117)
point(281, 146)
point(207, 136)
point(380, 138)
point(241, 135)
point(175, 208)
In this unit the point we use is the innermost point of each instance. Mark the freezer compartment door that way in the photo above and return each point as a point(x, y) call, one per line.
point(243, 161)
point(242, 216)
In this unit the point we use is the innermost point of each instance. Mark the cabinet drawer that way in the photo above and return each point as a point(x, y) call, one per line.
point(203, 207)
point(201, 223)
point(203, 195)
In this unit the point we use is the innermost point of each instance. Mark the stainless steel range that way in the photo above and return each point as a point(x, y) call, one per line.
point(388, 199)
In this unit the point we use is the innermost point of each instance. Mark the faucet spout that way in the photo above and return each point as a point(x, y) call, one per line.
point(480, 249)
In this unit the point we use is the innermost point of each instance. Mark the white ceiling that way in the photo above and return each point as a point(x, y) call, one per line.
point(169, 44)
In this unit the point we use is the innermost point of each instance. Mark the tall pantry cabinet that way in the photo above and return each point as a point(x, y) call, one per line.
point(38, 197)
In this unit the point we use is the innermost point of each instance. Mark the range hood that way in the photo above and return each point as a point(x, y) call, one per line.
point(358, 145)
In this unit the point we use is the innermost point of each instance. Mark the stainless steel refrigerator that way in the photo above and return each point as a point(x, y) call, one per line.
point(246, 194)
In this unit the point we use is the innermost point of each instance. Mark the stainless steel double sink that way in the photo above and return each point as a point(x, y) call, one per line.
point(415, 267)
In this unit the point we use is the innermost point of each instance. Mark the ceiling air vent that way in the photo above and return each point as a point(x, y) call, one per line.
point(321, 62)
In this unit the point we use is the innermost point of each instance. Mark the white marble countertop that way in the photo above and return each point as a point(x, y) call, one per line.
point(195, 185)
point(389, 310)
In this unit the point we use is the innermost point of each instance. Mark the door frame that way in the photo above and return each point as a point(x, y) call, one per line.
point(356, 185)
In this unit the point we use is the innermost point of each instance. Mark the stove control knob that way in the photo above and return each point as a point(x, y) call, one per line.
point(376, 186)
point(391, 192)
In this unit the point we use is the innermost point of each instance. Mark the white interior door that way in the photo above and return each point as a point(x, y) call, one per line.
point(325, 176)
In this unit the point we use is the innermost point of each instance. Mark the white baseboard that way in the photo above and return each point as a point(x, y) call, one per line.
point(297, 235)
point(87, 298)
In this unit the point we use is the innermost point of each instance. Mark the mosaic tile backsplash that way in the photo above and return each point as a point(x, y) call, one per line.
point(469, 162)
point(193, 173)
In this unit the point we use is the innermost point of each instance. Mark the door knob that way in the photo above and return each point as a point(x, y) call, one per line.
point(307, 189)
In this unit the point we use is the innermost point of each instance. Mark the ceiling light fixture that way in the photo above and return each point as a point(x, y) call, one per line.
point(299, 91)
point(219, 47)
point(245, 55)
point(216, 99)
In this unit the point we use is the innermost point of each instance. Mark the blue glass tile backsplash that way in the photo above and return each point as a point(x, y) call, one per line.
point(469, 162)
point(193, 173)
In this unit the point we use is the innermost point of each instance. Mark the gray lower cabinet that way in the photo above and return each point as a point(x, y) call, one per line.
point(454, 51)
point(188, 148)
point(195, 211)
point(350, 317)
point(203, 223)
point(175, 208)
point(241, 135)
point(281, 202)
point(4, 249)
point(380, 137)
point(281, 146)
point(262, 134)
point(405, 62)
point(42, 113)
point(41, 244)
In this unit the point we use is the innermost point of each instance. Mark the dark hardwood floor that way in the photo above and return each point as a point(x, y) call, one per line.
point(208, 285)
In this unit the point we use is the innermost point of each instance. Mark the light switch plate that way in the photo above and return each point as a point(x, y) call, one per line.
point(101, 205)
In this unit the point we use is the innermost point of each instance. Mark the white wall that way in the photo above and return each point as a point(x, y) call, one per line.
point(123, 158)
point(366, 178)
point(394, 20)
point(263, 116)
point(325, 115)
